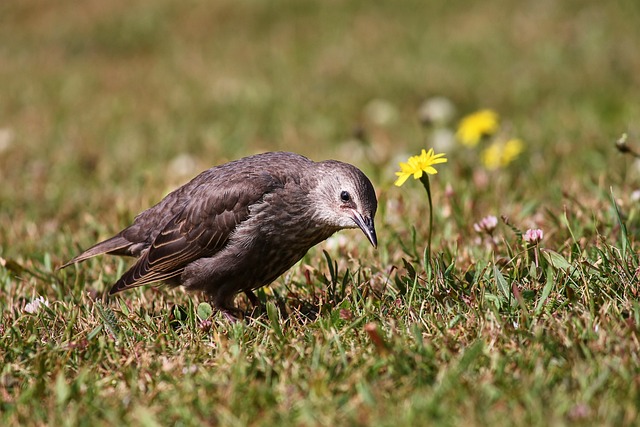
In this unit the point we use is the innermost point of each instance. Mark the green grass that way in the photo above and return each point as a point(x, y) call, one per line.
point(100, 101)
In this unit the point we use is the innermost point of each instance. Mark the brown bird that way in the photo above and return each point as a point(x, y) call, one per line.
point(238, 226)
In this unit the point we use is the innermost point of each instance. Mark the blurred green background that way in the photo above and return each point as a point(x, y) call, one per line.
point(105, 106)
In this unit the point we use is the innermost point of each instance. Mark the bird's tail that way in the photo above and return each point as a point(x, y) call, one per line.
point(114, 245)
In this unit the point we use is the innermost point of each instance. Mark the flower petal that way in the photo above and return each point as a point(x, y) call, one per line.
point(401, 180)
point(430, 170)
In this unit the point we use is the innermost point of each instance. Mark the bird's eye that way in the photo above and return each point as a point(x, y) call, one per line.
point(345, 196)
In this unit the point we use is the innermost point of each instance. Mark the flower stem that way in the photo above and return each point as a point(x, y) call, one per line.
point(424, 179)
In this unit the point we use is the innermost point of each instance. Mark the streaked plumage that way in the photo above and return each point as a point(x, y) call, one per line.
point(238, 226)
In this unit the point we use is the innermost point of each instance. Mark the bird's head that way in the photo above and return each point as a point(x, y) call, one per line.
point(345, 198)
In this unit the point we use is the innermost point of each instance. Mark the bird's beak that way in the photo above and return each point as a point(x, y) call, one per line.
point(367, 227)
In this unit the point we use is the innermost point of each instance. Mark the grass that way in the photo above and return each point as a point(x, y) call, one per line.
point(106, 106)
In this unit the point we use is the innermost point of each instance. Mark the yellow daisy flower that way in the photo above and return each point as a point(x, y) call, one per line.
point(473, 127)
point(416, 165)
point(499, 155)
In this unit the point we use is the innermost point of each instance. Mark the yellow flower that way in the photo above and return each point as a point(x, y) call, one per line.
point(418, 164)
point(474, 126)
point(499, 155)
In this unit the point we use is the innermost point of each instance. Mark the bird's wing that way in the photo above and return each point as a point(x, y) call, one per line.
point(200, 230)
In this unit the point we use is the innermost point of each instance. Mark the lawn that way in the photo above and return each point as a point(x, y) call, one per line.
point(105, 107)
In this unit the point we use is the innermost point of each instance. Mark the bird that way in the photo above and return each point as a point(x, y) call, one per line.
point(240, 225)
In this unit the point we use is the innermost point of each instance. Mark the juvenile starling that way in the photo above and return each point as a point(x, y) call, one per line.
point(238, 226)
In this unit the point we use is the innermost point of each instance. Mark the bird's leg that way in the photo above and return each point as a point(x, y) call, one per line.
point(225, 305)
point(258, 308)
point(253, 299)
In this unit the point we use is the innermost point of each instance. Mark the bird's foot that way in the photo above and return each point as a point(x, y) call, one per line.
point(232, 314)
